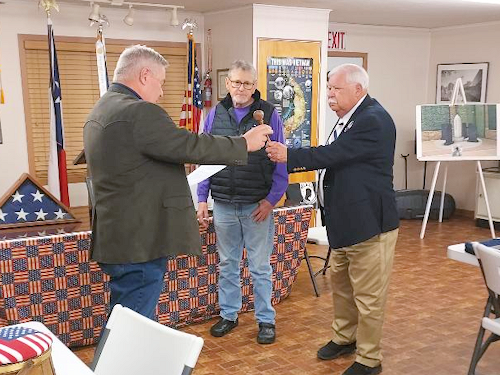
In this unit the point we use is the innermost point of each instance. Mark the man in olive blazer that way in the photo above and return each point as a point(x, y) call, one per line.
point(135, 155)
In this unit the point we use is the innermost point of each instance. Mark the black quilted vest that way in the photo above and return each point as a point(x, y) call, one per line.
point(246, 183)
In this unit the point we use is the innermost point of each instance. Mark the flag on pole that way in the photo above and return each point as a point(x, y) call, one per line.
point(57, 173)
point(102, 71)
point(192, 105)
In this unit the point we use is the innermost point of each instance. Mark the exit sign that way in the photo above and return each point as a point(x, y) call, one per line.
point(336, 39)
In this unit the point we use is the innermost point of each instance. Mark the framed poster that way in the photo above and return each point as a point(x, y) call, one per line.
point(458, 132)
point(288, 77)
point(474, 77)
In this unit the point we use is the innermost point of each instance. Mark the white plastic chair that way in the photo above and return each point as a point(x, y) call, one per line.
point(489, 260)
point(317, 235)
point(133, 344)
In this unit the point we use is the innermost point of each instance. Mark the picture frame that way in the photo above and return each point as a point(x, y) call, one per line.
point(458, 132)
point(288, 78)
point(474, 78)
point(221, 83)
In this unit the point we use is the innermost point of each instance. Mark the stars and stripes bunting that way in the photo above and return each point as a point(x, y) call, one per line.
point(192, 104)
point(57, 172)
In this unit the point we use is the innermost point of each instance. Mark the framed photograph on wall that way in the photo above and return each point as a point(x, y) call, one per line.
point(221, 83)
point(474, 78)
point(288, 77)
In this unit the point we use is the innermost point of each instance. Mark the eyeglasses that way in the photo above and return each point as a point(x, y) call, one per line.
point(237, 84)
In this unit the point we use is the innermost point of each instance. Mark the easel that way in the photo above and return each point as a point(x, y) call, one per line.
point(458, 86)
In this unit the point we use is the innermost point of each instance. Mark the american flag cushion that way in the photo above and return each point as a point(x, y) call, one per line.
point(18, 344)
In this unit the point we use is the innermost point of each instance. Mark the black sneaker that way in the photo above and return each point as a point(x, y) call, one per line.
point(222, 327)
point(360, 369)
point(267, 333)
point(332, 350)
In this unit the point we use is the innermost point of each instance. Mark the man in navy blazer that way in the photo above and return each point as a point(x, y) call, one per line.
point(360, 214)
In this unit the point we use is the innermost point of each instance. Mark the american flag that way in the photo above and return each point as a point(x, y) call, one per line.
point(192, 104)
point(29, 203)
point(18, 344)
point(58, 175)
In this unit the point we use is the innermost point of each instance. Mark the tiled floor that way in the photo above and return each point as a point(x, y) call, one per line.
point(433, 314)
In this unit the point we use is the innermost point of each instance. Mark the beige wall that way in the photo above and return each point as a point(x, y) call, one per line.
point(231, 38)
point(472, 43)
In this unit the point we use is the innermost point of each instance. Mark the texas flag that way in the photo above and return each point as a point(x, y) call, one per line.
point(57, 173)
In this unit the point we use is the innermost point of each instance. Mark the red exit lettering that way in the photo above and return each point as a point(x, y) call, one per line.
point(336, 39)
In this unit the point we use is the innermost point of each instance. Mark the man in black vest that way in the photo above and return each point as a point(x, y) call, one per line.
point(244, 197)
point(360, 214)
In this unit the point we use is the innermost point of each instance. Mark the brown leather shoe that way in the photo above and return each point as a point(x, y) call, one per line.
point(222, 327)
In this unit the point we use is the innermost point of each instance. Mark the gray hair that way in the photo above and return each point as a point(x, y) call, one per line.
point(244, 66)
point(133, 59)
point(353, 74)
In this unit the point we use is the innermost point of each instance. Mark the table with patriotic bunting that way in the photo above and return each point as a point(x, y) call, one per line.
point(50, 279)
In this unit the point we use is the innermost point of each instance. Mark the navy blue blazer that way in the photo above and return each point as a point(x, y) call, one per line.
point(359, 195)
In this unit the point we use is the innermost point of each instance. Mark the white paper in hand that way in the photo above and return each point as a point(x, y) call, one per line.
point(203, 172)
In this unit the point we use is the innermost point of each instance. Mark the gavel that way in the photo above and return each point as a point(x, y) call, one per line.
point(258, 115)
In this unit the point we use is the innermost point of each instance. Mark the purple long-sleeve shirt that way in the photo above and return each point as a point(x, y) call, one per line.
point(280, 174)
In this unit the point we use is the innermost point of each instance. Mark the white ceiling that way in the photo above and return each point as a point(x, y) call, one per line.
point(406, 13)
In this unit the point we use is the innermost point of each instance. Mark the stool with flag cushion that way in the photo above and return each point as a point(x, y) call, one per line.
point(25, 350)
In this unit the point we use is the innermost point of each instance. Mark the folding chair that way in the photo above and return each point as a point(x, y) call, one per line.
point(318, 236)
point(489, 260)
point(133, 344)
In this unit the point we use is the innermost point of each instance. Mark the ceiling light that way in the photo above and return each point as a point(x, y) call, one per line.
point(174, 21)
point(129, 18)
point(94, 14)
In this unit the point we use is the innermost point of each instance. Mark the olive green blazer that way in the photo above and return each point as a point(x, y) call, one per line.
point(135, 157)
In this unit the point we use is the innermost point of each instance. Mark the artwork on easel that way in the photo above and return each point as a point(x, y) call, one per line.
point(458, 132)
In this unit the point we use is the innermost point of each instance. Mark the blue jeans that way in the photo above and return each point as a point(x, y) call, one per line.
point(136, 285)
point(235, 229)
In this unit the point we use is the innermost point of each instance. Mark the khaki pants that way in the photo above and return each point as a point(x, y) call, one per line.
point(360, 279)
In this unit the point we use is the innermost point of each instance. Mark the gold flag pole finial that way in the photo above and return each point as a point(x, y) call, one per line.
point(47, 5)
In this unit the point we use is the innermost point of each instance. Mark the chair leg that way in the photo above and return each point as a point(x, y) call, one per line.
point(477, 353)
point(311, 273)
point(327, 260)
